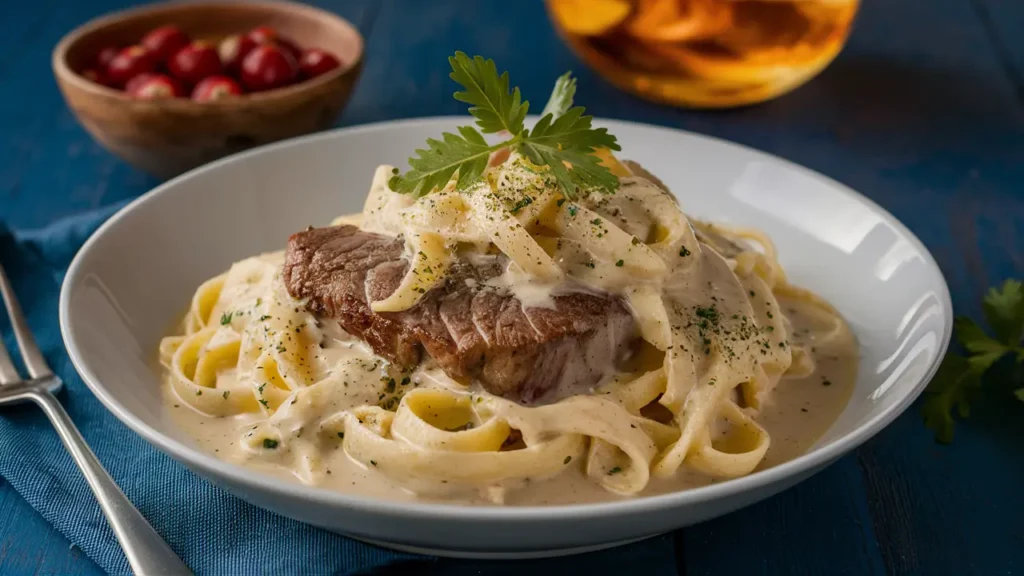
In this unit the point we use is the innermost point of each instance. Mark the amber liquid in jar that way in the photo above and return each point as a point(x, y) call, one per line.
point(706, 53)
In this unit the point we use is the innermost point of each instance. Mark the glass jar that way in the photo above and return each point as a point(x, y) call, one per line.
point(705, 53)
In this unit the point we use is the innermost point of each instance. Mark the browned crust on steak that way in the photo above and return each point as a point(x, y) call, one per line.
point(471, 331)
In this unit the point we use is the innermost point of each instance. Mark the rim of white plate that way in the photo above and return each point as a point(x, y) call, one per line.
point(241, 475)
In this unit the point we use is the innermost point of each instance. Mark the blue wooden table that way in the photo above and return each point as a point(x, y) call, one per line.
point(923, 112)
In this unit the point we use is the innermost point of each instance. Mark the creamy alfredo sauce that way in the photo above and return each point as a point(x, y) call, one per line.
point(723, 317)
point(797, 413)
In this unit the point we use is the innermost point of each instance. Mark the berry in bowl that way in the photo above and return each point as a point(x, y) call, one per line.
point(170, 87)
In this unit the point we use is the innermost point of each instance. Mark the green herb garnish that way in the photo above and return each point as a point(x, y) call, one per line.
point(225, 318)
point(959, 378)
point(269, 443)
point(561, 97)
point(556, 139)
point(526, 201)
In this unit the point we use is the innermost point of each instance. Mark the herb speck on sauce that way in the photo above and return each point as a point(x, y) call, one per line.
point(269, 443)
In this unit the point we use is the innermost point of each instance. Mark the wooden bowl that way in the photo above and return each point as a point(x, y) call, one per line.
point(167, 137)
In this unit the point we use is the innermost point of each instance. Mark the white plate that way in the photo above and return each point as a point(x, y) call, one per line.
point(133, 279)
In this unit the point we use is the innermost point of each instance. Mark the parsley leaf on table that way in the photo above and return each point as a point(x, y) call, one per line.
point(1004, 312)
point(949, 390)
point(563, 139)
point(959, 378)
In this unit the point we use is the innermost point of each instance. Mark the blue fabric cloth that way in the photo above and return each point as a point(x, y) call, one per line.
point(213, 532)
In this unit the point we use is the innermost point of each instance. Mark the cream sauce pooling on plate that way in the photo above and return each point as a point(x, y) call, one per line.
point(719, 368)
point(798, 413)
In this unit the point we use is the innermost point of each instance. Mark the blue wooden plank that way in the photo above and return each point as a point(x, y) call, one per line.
point(654, 555)
point(823, 526)
point(1005, 21)
point(923, 118)
point(52, 167)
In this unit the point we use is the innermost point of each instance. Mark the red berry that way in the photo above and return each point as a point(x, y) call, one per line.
point(262, 34)
point(233, 50)
point(104, 57)
point(195, 62)
point(131, 85)
point(268, 67)
point(315, 62)
point(216, 88)
point(268, 35)
point(164, 41)
point(156, 87)
point(93, 75)
point(128, 63)
point(289, 47)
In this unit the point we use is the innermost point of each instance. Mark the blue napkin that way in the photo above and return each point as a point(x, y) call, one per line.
point(212, 531)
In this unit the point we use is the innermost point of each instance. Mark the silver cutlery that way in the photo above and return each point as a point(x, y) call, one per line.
point(146, 551)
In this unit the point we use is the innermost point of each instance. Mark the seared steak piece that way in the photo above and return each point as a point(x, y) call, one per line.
point(473, 331)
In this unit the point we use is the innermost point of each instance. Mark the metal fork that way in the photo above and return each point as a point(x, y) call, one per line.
point(146, 550)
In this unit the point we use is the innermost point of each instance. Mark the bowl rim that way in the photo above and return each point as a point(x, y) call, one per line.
point(213, 468)
point(64, 73)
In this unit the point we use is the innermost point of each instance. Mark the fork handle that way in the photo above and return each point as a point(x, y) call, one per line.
point(146, 550)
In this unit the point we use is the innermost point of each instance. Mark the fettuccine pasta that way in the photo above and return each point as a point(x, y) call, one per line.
point(717, 345)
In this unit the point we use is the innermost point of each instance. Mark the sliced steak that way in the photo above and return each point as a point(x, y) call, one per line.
point(473, 331)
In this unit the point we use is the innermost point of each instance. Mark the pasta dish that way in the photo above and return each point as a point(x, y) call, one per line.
point(505, 339)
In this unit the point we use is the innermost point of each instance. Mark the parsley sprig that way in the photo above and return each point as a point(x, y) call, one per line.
point(563, 139)
point(561, 97)
point(959, 378)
